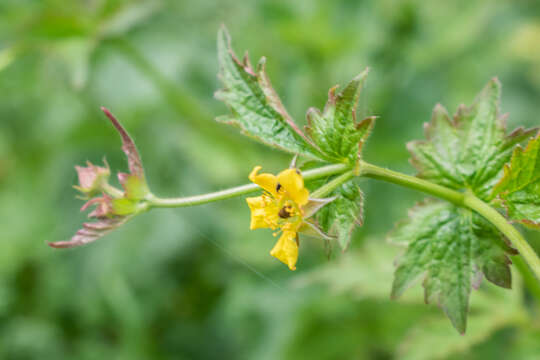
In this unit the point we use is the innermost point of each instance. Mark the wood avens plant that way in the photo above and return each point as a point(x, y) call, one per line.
point(479, 178)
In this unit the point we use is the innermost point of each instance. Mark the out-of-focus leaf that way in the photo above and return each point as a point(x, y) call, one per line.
point(432, 339)
point(339, 217)
point(255, 106)
point(450, 248)
point(468, 151)
point(75, 53)
point(7, 56)
point(335, 130)
point(127, 17)
point(519, 188)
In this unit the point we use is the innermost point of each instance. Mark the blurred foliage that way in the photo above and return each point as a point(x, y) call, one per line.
point(195, 283)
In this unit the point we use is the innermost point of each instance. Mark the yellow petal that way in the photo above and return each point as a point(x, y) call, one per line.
point(292, 184)
point(266, 181)
point(286, 249)
point(264, 212)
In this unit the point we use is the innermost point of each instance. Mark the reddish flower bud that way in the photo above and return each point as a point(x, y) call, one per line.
point(92, 178)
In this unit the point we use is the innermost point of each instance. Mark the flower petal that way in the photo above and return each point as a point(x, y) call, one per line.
point(264, 212)
point(266, 181)
point(286, 249)
point(293, 184)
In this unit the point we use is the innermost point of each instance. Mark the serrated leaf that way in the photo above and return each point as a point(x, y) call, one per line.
point(519, 188)
point(450, 248)
point(255, 106)
point(339, 217)
point(91, 232)
point(468, 151)
point(335, 130)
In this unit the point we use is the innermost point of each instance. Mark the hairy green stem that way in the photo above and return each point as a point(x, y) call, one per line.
point(331, 185)
point(494, 217)
point(412, 182)
point(239, 190)
point(461, 199)
point(111, 190)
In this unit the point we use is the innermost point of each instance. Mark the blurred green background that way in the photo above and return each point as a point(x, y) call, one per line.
point(195, 283)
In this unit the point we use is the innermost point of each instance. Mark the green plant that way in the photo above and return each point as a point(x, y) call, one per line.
point(468, 162)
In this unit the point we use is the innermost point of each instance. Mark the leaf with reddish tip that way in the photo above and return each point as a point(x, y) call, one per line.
point(256, 108)
point(103, 206)
point(91, 232)
point(128, 146)
point(336, 130)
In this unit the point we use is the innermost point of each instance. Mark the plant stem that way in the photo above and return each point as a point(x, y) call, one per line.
point(528, 278)
point(331, 185)
point(494, 217)
point(412, 182)
point(239, 190)
point(461, 199)
point(111, 190)
point(368, 170)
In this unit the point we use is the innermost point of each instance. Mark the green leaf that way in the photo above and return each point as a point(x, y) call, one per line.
point(468, 151)
point(450, 248)
point(519, 188)
point(255, 106)
point(335, 130)
point(339, 217)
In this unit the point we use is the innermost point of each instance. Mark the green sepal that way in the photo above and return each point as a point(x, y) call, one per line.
point(336, 131)
point(519, 188)
point(123, 206)
point(470, 149)
point(450, 248)
point(135, 188)
point(255, 106)
point(339, 218)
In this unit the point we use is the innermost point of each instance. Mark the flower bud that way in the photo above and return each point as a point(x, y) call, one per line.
point(92, 178)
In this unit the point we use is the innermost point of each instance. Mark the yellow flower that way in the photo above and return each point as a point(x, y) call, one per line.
point(286, 249)
point(288, 184)
point(281, 206)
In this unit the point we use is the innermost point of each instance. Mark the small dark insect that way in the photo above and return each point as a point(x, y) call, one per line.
point(284, 213)
point(278, 187)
